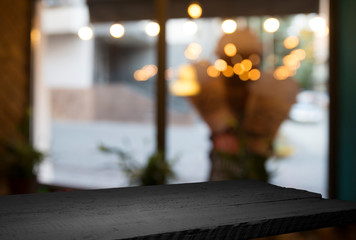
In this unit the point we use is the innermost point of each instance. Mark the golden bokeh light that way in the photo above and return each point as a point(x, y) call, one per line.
point(290, 60)
point(195, 10)
point(292, 72)
point(236, 59)
point(35, 36)
point(152, 29)
point(193, 51)
point(85, 33)
point(220, 65)
point(281, 73)
point(238, 68)
point(300, 54)
point(229, 26)
point(255, 59)
point(247, 64)
point(212, 72)
point(117, 30)
point(291, 42)
point(146, 72)
point(190, 28)
point(244, 76)
point(254, 74)
point(186, 84)
point(230, 49)
point(228, 72)
point(151, 70)
point(271, 25)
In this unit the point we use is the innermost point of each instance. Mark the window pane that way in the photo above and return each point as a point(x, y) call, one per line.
point(100, 85)
point(205, 57)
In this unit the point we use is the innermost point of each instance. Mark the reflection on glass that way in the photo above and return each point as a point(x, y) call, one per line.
point(223, 67)
point(213, 76)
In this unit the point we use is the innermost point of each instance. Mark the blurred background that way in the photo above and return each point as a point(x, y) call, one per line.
point(95, 85)
point(93, 92)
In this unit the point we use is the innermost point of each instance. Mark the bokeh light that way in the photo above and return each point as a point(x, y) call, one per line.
point(220, 65)
point(291, 42)
point(281, 73)
point(193, 51)
point(228, 72)
point(145, 73)
point(290, 61)
point(190, 27)
point(254, 74)
point(195, 10)
point(247, 64)
point(35, 36)
point(117, 30)
point(271, 25)
point(244, 76)
point(230, 49)
point(140, 75)
point(150, 69)
point(317, 23)
point(229, 26)
point(212, 72)
point(319, 26)
point(300, 54)
point(85, 33)
point(187, 84)
point(152, 29)
point(238, 68)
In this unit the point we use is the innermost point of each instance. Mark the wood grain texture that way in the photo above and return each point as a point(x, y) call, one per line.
point(213, 210)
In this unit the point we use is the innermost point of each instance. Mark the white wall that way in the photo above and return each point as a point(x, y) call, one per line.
point(68, 62)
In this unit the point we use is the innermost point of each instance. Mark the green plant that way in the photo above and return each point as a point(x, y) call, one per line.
point(19, 159)
point(156, 171)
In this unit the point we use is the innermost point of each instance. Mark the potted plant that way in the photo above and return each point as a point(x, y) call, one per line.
point(156, 171)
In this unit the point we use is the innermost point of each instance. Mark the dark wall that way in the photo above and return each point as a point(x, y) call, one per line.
point(15, 22)
point(343, 100)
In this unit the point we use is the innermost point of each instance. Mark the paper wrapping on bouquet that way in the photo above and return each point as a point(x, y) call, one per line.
point(267, 106)
point(211, 102)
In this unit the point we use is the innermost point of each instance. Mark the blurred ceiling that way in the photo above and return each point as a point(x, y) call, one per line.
point(128, 10)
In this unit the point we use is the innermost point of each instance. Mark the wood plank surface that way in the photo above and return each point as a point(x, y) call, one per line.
point(213, 210)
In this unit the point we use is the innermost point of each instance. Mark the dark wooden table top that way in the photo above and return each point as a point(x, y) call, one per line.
point(212, 210)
